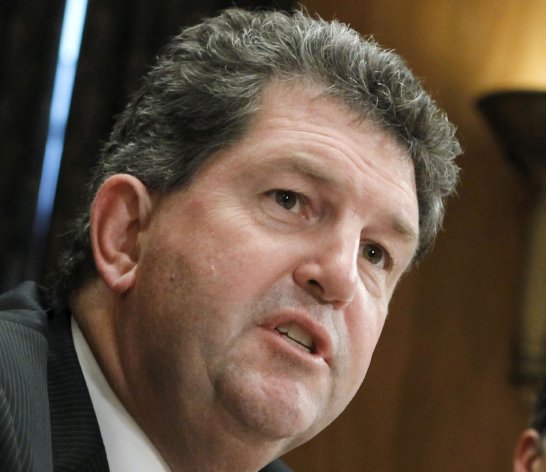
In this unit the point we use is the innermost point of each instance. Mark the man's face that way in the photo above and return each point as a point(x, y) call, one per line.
point(261, 291)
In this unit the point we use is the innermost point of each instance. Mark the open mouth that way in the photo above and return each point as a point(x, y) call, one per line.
point(295, 335)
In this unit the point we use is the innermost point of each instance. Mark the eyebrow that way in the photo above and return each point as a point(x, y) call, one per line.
point(401, 227)
point(302, 165)
point(321, 174)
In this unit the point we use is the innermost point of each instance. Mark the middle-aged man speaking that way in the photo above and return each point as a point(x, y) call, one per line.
point(249, 220)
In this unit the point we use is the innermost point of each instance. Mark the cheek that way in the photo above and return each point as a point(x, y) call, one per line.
point(364, 330)
point(238, 265)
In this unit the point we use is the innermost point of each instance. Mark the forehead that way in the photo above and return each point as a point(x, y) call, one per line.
point(301, 105)
point(299, 120)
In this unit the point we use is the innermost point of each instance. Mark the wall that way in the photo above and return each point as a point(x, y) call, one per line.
point(438, 396)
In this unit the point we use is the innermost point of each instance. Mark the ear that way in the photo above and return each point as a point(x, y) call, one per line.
point(120, 212)
point(528, 454)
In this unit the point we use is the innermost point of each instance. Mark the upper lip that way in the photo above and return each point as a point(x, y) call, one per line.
point(322, 341)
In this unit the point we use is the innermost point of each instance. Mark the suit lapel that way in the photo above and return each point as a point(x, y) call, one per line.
point(75, 435)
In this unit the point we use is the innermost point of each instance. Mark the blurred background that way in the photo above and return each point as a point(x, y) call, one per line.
point(451, 383)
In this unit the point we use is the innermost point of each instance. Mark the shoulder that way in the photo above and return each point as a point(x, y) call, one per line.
point(23, 330)
point(23, 336)
point(22, 307)
point(24, 411)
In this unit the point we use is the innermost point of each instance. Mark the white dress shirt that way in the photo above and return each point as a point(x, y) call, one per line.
point(128, 449)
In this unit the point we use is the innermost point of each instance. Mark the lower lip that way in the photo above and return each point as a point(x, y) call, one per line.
point(279, 344)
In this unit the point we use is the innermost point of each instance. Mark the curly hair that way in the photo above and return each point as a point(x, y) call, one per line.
point(206, 86)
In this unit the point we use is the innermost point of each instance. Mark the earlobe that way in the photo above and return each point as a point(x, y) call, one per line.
point(120, 212)
point(528, 453)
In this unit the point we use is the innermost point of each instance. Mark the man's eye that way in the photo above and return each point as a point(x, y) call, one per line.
point(375, 254)
point(287, 199)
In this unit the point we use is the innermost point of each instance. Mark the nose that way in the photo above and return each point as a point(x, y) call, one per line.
point(329, 271)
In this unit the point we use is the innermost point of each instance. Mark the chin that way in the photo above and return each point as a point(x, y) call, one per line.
point(277, 409)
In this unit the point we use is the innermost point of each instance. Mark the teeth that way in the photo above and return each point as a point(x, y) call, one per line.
point(297, 336)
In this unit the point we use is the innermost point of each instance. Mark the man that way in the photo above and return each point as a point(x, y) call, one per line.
point(529, 453)
point(249, 220)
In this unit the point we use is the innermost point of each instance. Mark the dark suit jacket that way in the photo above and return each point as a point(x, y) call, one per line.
point(47, 422)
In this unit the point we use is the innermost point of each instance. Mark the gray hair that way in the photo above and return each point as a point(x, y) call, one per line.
point(206, 86)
